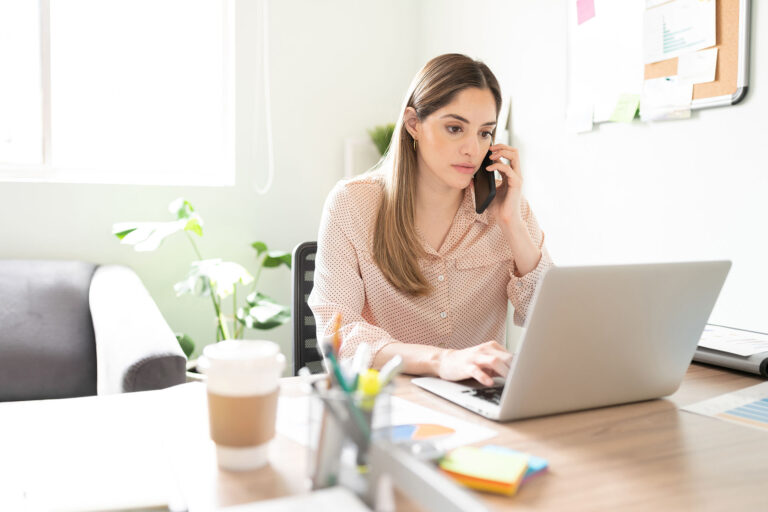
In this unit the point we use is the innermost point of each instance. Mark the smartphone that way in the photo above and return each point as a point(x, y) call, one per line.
point(485, 184)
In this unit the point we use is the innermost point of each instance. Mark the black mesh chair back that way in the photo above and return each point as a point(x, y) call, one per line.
point(304, 330)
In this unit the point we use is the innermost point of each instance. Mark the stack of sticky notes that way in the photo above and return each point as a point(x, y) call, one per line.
point(536, 465)
point(491, 468)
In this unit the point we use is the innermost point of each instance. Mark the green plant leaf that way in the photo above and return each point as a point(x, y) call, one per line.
point(181, 208)
point(277, 258)
point(187, 344)
point(382, 136)
point(274, 321)
point(260, 247)
point(263, 313)
point(122, 234)
point(214, 275)
point(193, 284)
point(193, 225)
point(146, 236)
point(253, 298)
point(272, 258)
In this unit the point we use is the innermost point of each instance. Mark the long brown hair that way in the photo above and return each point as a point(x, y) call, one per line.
point(396, 247)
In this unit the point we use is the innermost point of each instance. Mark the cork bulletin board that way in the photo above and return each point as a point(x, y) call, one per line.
point(731, 74)
point(606, 56)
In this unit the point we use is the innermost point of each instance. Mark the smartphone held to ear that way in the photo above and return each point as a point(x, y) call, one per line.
point(485, 185)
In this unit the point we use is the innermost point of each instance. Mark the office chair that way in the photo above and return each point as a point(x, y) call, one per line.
point(304, 330)
point(71, 328)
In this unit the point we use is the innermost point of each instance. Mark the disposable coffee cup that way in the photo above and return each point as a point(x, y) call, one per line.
point(243, 386)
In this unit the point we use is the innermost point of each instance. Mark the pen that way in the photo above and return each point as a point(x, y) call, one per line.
point(313, 379)
point(336, 371)
point(367, 390)
point(336, 325)
point(360, 362)
point(329, 445)
point(390, 369)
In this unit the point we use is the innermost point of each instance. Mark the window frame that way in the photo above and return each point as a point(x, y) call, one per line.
point(107, 173)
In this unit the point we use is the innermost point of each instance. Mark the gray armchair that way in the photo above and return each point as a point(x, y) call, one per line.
point(71, 328)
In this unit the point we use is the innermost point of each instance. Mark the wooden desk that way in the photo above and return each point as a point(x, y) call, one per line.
point(644, 456)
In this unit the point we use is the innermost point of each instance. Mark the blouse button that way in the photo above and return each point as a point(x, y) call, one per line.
point(441, 278)
point(443, 314)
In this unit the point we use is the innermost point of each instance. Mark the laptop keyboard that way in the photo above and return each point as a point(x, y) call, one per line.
point(492, 395)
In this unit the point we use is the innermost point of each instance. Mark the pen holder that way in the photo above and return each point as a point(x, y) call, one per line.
point(342, 428)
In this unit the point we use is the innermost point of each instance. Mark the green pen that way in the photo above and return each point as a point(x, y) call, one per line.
point(359, 419)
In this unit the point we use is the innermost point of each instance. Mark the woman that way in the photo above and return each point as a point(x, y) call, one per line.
point(404, 257)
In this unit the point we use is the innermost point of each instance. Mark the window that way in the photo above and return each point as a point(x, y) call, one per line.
point(118, 91)
point(21, 130)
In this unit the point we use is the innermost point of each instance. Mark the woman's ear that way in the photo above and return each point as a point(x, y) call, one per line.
point(411, 122)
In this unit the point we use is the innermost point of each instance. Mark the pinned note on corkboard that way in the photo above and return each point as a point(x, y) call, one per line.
point(731, 72)
point(617, 50)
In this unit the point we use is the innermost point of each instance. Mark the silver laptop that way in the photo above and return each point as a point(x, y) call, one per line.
point(597, 336)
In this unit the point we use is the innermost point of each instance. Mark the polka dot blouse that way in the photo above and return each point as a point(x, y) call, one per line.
point(472, 277)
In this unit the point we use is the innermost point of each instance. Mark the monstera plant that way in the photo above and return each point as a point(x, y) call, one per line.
point(214, 279)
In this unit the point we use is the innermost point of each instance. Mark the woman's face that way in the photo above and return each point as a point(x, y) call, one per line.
point(452, 141)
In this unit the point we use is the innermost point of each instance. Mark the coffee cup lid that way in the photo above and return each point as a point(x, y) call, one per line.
point(245, 351)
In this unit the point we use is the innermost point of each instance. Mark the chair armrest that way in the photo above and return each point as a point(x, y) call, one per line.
point(135, 348)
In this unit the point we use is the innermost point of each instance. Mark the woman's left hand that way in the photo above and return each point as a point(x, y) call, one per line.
point(506, 205)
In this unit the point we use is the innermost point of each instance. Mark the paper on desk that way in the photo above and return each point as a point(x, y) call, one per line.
point(333, 498)
point(666, 98)
point(733, 341)
point(296, 422)
point(117, 459)
point(748, 407)
point(676, 27)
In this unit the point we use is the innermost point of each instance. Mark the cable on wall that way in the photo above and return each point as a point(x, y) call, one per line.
point(267, 102)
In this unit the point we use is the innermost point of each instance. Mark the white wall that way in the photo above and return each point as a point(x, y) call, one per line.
point(686, 189)
point(332, 77)
point(693, 189)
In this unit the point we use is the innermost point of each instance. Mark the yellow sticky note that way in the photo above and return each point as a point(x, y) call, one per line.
point(626, 108)
point(486, 470)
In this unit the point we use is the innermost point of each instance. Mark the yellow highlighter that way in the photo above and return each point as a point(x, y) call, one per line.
point(368, 388)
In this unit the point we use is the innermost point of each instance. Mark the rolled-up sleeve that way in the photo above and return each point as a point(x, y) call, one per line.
point(520, 289)
point(338, 285)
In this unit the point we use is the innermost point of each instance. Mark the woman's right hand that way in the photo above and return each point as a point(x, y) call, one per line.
point(481, 362)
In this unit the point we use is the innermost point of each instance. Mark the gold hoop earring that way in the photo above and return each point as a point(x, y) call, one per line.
point(414, 144)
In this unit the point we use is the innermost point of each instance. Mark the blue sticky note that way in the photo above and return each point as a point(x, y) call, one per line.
point(535, 464)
